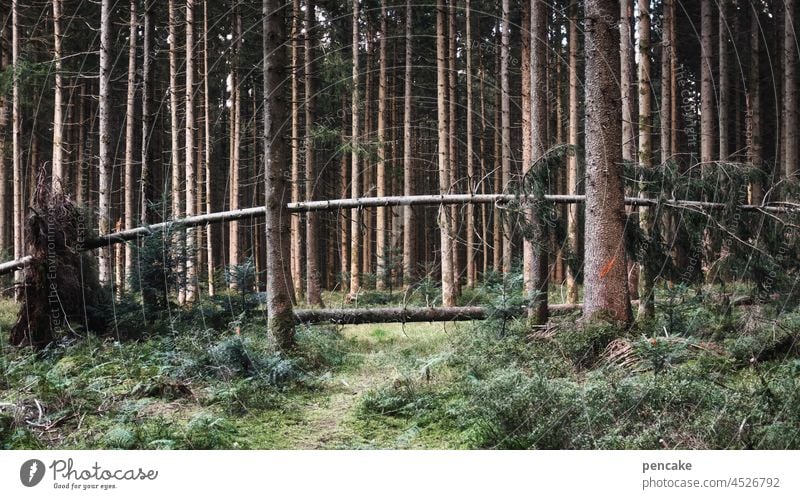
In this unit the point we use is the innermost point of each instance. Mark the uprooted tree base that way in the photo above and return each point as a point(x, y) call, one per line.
point(61, 293)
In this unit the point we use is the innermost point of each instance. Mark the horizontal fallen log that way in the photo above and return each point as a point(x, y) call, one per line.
point(415, 314)
point(373, 202)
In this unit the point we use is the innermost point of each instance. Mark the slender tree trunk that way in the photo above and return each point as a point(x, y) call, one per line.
point(790, 122)
point(452, 151)
point(471, 267)
point(497, 174)
point(367, 168)
point(409, 222)
point(355, 178)
point(82, 189)
point(448, 291)
point(313, 275)
point(505, 127)
point(105, 166)
point(626, 87)
point(130, 181)
point(724, 82)
point(209, 200)
point(666, 83)
point(344, 220)
point(234, 249)
point(706, 85)
point(605, 281)
point(175, 159)
point(16, 151)
point(483, 181)
point(753, 132)
point(646, 222)
point(58, 107)
point(279, 285)
point(297, 246)
point(380, 216)
point(572, 157)
point(525, 99)
point(191, 173)
point(6, 223)
point(147, 127)
point(536, 269)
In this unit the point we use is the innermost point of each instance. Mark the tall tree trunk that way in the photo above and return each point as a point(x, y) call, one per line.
point(380, 216)
point(234, 249)
point(572, 157)
point(175, 160)
point(452, 151)
point(209, 200)
point(105, 166)
point(505, 127)
point(58, 107)
point(296, 222)
point(497, 174)
point(409, 222)
point(147, 127)
point(448, 291)
point(605, 281)
point(483, 151)
point(724, 82)
point(355, 173)
point(130, 181)
point(626, 87)
point(790, 122)
point(344, 220)
point(367, 173)
point(666, 83)
point(279, 285)
point(313, 274)
point(6, 223)
point(646, 221)
point(189, 161)
point(753, 97)
point(706, 114)
point(536, 269)
point(470, 264)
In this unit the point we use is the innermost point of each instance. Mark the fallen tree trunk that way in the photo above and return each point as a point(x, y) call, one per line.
point(373, 202)
point(420, 314)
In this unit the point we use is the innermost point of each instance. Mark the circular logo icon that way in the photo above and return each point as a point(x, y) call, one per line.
point(31, 472)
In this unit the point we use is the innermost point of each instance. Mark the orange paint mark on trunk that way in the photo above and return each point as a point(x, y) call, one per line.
point(608, 267)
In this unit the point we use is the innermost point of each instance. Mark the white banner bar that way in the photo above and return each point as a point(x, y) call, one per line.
point(406, 474)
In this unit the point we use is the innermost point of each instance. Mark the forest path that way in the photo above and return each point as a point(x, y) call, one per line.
point(380, 355)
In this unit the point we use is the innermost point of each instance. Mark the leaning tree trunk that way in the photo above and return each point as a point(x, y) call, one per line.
point(279, 284)
point(605, 281)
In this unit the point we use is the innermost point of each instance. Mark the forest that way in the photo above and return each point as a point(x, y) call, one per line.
point(436, 224)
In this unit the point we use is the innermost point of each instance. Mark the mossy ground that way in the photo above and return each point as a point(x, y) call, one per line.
point(699, 375)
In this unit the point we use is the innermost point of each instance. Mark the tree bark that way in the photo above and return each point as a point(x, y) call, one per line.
point(105, 166)
point(626, 88)
point(209, 199)
point(753, 97)
point(355, 173)
point(146, 156)
point(646, 221)
point(409, 222)
point(234, 249)
point(130, 182)
point(175, 159)
point(6, 222)
point(505, 127)
point(452, 150)
point(790, 119)
point(666, 82)
point(382, 226)
point(448, 291)
point(605, 281)
point(706, 85)
point(296, 222)
point(279, 285)
point(724, 83)
point(58, 107)
point(313, 274)
point(471, 268)
point(189, 161)
point(536, 268)
point(573, 233)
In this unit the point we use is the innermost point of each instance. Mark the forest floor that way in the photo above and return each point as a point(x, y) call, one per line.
point(699, 375)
